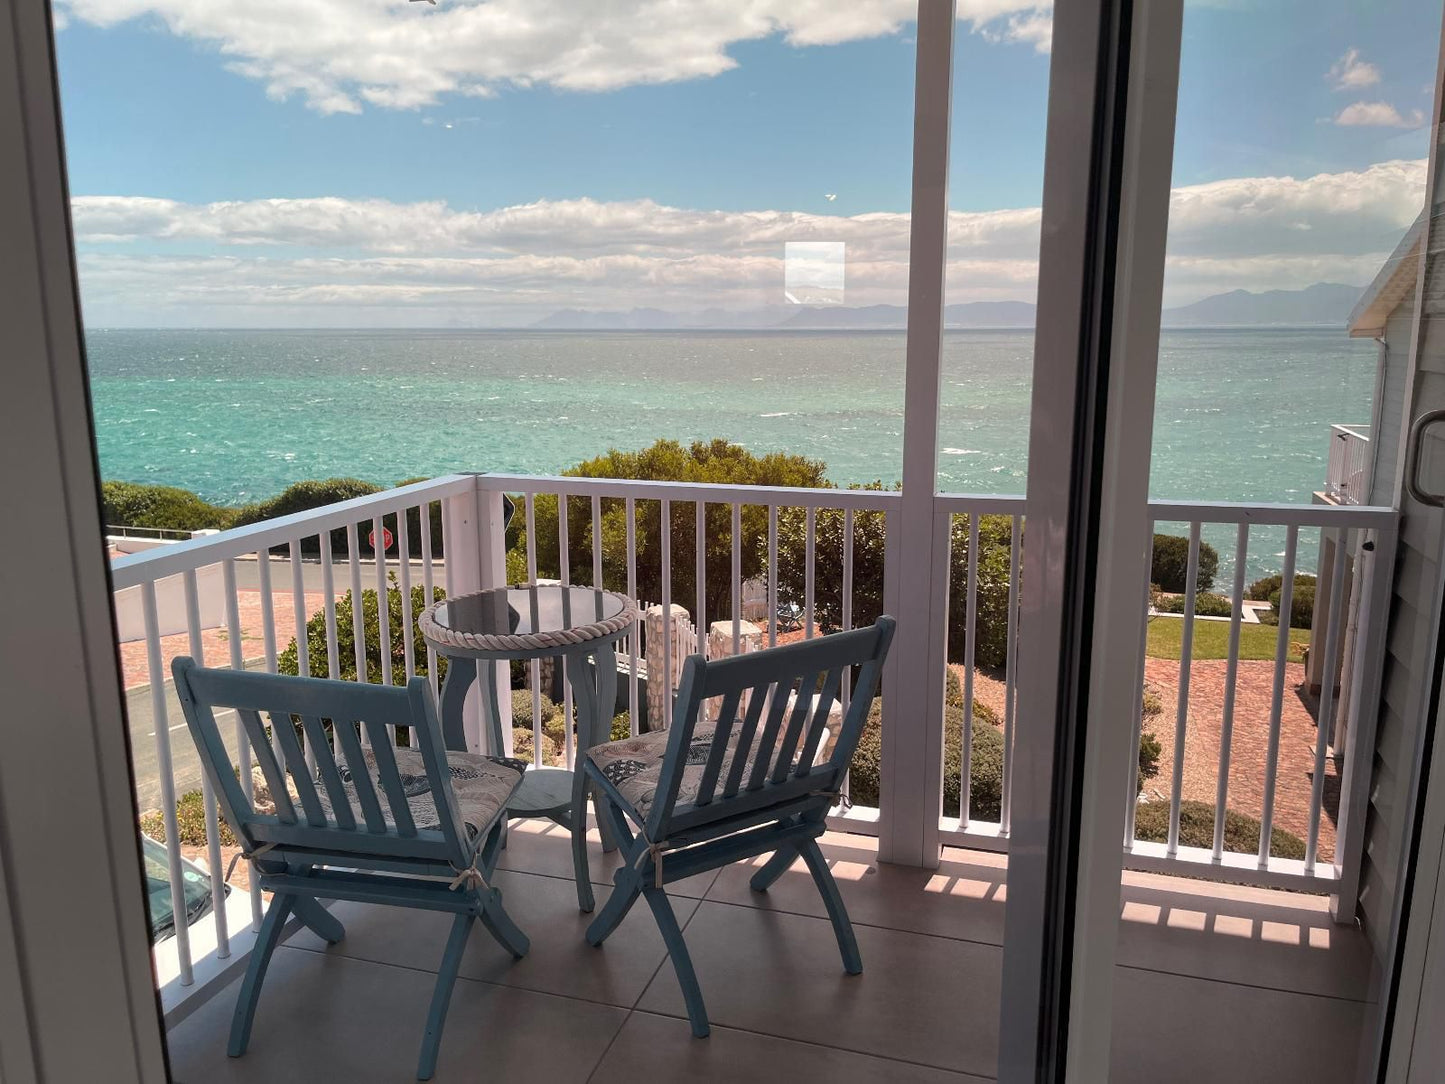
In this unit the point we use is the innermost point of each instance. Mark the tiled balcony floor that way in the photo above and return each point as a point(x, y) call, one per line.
point(1214, 984)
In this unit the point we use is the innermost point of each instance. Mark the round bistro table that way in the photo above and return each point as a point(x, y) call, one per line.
point(580, 625)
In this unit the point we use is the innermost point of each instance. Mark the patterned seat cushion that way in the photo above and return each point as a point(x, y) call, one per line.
point(634, 765)
point(481, 785)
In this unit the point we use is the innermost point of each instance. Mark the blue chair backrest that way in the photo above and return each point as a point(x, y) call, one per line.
point(773, 711)
point(385, 826)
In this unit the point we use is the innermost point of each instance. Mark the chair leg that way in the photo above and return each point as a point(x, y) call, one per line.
point(500, 925)
point(266, 941)
point(318, 919)
point(833, 900)
point(681, 961)
point(773, 868)
point(441, 997)
point(625, 891)
point(581, 871)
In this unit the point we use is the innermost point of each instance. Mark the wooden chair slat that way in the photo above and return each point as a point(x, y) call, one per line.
point(344, 733)
point(743, 746)
point(285, 733)
point(330, 777)
point(390, 776)
point(722, 735)
point(274, 773)
point(763, 757)
point(787, 748)
point(819, 723)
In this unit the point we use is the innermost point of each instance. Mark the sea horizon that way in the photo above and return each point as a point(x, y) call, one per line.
point(236, 415)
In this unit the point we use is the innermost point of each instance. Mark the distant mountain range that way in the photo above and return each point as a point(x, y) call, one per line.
point(1325, 304)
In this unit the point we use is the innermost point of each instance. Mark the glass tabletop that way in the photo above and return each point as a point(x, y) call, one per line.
point(526, 610)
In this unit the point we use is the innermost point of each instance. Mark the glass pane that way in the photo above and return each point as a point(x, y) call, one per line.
point(1255, 869)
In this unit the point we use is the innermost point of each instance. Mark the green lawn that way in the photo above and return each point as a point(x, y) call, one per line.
point(1211, 640)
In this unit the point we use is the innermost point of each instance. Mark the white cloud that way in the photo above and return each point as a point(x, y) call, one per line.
point(1377, 115)
point(1352, 73)
point(1034, 28)
point(341, 55)
point(331, 260)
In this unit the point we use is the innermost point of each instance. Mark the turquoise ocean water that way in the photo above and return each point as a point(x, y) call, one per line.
point(238, 415)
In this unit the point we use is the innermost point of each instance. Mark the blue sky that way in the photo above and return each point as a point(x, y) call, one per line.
point(715, 114)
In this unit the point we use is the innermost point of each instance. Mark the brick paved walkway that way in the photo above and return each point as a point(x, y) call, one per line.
point(1248, 746)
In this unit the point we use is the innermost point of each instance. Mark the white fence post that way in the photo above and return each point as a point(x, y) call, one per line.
point(492, 572)
point(463, 532)
point(660, 684)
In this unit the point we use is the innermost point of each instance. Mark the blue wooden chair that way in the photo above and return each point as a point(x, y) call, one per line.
point(366, 814)
point(704, 794)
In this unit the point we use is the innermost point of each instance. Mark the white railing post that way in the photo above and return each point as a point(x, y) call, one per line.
point(911, 787)
point(492, 572)
point(462, 534)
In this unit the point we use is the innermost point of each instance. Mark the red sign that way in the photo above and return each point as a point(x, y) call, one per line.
point(385, 538)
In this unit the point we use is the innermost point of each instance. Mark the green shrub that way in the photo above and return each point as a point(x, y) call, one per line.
point(127, 504)
point(1261, 590)
point(522, 745)
point(1196, 829)
point(305, 496)
point(346, 638)
point(1153, 703)
point(717, 462)
point(190, 822)
point(621, 726)
point(1301, 606)
point(522, 709)
point(1149, 752)
point(1206, 604)
point(1170, 565)
point(985, 767)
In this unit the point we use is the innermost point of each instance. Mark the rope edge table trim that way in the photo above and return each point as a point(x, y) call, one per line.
point(474, 641)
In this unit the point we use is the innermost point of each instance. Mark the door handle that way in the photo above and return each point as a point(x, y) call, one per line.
point(1412, 467)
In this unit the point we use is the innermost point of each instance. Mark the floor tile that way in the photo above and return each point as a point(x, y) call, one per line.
point(653, 1047)
point(1171, 1028)
point(330, 1018)
point(928, 1000)
point(963, 898)
point(560, 961)
point(539, 846)
point(1277, 939)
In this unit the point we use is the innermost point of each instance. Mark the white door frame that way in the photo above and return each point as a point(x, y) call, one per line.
point(77, 994)
point(1084, 590)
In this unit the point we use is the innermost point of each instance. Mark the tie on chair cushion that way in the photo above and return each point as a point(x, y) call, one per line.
point(481, 785)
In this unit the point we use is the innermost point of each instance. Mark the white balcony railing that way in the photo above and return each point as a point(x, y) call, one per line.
point(849, 543)
point(1347, 478)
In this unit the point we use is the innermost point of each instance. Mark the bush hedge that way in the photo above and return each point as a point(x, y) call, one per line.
point(985, 766)
point(1149, 753)
point(346, 638)
point(1206, 604)
point(305, 496)
point(1196, 829)
point(1301, 606)
point(128, 504)
point(522, 745)
point(1261, 590)
point(1170, 563)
